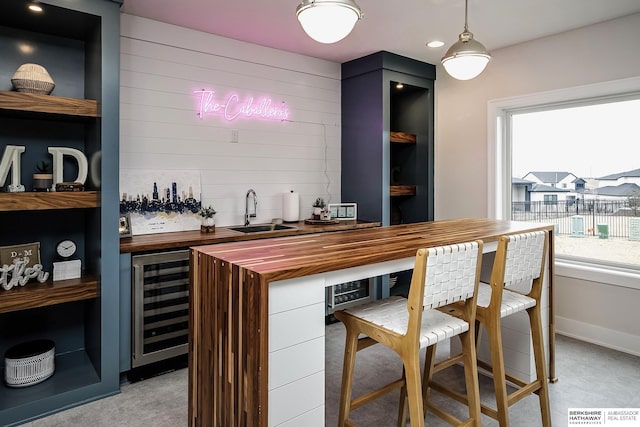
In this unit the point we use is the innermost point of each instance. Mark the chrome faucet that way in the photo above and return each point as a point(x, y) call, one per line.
point(247, 215)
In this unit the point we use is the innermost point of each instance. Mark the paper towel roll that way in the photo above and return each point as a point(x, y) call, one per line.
point(291, 206)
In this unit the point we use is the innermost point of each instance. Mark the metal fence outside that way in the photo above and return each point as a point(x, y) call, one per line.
point(612, 213)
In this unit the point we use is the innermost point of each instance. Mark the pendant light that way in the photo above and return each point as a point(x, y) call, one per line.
point(328, 21)
point(467, 57)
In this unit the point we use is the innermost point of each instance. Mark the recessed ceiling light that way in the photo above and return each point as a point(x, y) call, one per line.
point(435, 43)
point(25, 48)
point(399, 85)
point(35, 8)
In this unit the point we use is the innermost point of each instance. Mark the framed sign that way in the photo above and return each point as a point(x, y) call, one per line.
point(159, 201)
point(28, 250)
point(124, 225)
point(343, 211)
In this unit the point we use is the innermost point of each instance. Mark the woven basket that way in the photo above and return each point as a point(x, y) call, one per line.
point(29, 363)
point(32, 78)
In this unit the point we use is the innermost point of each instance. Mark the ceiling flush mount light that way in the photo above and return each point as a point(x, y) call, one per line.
point(35, 7)
point(467, 57)
point(328, 21)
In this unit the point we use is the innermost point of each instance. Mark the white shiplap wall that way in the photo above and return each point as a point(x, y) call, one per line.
point(161, 65)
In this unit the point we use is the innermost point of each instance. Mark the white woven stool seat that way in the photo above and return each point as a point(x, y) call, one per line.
point(391, 314)
point(441, 276)
point(512, 302)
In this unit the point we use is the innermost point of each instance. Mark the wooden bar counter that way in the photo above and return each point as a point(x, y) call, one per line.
point(256, 348)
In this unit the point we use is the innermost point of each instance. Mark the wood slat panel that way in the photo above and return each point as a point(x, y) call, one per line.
point(48, 200)
point(35, 294)
point(229, 299)
point(402, 137)
point(47, 104)
point(229, 317)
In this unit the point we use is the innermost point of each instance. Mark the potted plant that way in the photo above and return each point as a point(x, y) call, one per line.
point(318, 206)
point(208, 225)
point(43, 178)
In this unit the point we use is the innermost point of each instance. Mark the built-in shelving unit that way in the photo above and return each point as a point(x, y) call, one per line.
point(78, 43)
point(388, 138)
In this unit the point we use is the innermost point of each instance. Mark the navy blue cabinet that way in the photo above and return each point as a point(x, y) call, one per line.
point(78, 43)
point(388, 138)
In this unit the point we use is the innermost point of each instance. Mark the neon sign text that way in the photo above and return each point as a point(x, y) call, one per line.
point(233, 108)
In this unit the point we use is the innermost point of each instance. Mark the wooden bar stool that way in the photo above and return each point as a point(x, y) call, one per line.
point(440, 276)
point(519, 263)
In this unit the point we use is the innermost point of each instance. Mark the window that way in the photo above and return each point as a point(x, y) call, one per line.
point(581, 149)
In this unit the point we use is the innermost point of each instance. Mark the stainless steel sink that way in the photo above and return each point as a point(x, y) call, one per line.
point(259, 228)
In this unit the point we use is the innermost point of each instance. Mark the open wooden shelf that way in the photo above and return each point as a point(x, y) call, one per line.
point(402, 137)
point(48, 200)
point(35, 294)
point(402, 190)
point(29, 103)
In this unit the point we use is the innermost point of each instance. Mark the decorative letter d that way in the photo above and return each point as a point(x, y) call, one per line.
point(58, 153)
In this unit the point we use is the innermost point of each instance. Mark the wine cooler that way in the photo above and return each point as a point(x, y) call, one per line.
point(348, 294)
point(160, 306)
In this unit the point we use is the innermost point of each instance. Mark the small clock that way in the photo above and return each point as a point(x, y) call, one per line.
point(66, 248)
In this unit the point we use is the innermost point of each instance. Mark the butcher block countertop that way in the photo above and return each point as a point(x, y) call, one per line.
point(278, 259)
point(183, 239)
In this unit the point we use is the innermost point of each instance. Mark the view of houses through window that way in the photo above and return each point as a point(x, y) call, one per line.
point(578, 167)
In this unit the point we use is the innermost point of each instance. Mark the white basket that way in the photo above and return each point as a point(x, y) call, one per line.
point(30, 370)
point(32, 78)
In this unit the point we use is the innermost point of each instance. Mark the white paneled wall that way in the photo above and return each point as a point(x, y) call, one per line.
point(162, 65)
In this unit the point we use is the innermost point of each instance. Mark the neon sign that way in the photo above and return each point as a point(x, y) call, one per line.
point(232, 108)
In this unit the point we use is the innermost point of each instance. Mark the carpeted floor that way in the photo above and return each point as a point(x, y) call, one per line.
point(589, 376)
